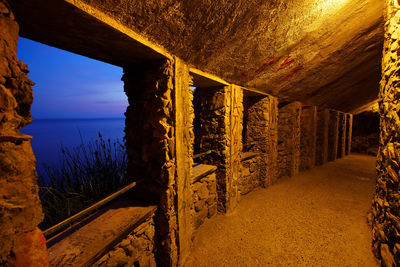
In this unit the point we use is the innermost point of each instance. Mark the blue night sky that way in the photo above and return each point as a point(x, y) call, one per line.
point(71, 86)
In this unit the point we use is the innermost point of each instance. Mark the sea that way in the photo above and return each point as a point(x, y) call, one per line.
point(50, 135)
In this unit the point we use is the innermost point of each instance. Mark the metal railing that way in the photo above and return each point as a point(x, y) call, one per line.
point(69, 221)
point(202, 154)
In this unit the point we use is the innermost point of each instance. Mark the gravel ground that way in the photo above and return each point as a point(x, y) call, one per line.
point(317, 218)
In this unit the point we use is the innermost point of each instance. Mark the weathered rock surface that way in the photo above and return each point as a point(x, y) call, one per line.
point(20, 209)
point(317, 52)
point(386, 203)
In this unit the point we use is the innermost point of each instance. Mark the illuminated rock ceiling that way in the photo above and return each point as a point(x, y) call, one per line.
point(325, 52)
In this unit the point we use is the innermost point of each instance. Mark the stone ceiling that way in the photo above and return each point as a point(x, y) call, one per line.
point(325, 52)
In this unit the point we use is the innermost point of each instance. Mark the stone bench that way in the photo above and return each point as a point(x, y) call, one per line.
point(249, 173)
point(204, 187)
point(119, 234)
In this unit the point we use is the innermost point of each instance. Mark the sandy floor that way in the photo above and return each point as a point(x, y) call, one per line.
point(317, 218)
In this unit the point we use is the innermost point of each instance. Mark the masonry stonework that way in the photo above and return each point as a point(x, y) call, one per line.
point(21, 242)
point(159, 141)
point(262, 133)
point(349, 131)
point(386, 203)
point(204, 195)
point(321, 156)
point(333, 135)
point(250, 174)
point(342, 135)
point(289, 131)
point(137, 249)
point(221, 132)
point(308, 138)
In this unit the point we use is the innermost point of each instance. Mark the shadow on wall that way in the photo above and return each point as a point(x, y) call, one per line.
point(365, 133)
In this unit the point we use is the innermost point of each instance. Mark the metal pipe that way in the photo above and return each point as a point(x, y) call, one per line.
point(202, 154)
point(84, 212)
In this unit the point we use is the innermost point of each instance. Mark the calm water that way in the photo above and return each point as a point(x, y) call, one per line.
point(50, 135)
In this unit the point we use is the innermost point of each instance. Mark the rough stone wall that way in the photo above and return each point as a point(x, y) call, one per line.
point(308, 139)
point(322, 136)
point(204, 198)
point(221, 132)
point(159, 140)
point(386, 203)
point(137, 249)
point(342, 135)
point(333, 135)
point(20, 208)
point(273, 173)
point(250, 177)
point(261, 128)
point(349, 132)
point(289, 139)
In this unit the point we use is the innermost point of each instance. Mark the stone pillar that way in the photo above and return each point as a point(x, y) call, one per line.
point(322, 136)
point(273, 172)
point(221, 132)
point(289, 139)
point(385, 207)
point(262, 129)
point(333, 135)
point(308, 138)
point(342, 135)
point(349, 132)
point(21, 242)
point(159, 140)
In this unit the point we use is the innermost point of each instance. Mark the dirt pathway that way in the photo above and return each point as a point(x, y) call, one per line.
point(317, 218)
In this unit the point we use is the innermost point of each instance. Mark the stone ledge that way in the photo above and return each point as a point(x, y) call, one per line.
point(248, 155)
point(98, 235)
point(202, 170)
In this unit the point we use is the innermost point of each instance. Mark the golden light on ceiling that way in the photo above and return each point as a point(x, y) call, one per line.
point(331, 5)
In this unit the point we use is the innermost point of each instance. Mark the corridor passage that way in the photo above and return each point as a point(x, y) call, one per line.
point(317, 218)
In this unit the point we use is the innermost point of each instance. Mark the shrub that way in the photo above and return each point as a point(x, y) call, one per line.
point(84, 175)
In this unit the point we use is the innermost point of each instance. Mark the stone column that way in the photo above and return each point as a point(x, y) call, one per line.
point(385, 207)
point(333, 135)
point(221, 132)
point(262, 129)
point(21, 242)
point(273, 172)
point(349, 132)
point(342, 135)
point(322, 136)
point(289, 139)
point(308, 138)
point(159, 140)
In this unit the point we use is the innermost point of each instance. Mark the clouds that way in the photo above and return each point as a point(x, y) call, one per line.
point(72, 86)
